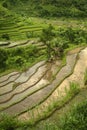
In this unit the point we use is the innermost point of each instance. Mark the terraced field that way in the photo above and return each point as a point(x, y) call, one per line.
point(30, 28)
point(22, 44)
point(35, 94)
point(18, 30)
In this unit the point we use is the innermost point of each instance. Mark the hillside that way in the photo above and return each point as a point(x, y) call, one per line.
point(48, 8)
point(43, 64)
point(21, 19)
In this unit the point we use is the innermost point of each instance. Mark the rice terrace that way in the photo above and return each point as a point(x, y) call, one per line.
point(43, 65)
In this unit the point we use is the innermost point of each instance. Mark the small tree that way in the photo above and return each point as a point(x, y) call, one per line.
point(58, 46)
point(55, 46)
point(46, 37)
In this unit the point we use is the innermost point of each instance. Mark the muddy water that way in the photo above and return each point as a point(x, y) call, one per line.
point(78, 73)
point(22, 78)
point(24, 87)
point(40, 95)
point(19, 44)
point(11, 79)
point(7, 88)
point(53, 70)
point(60, 92)
point(6, 77)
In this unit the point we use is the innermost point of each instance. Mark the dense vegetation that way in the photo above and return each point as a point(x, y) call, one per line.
point(18, 13)
point(19, 58)
point(48, 8)
point(59, 40)
point(56, 42)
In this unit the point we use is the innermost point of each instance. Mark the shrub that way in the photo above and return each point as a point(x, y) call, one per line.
point(19, 61)
point(6, 36)
point(15, 61)
point(74, 36)
point(8, 123)
point(77, 119)
point(74, 88)
point(31, 51)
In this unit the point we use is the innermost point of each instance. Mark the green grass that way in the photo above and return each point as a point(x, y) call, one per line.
point(8, 122)
point(74, 120)
point(77, 119)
